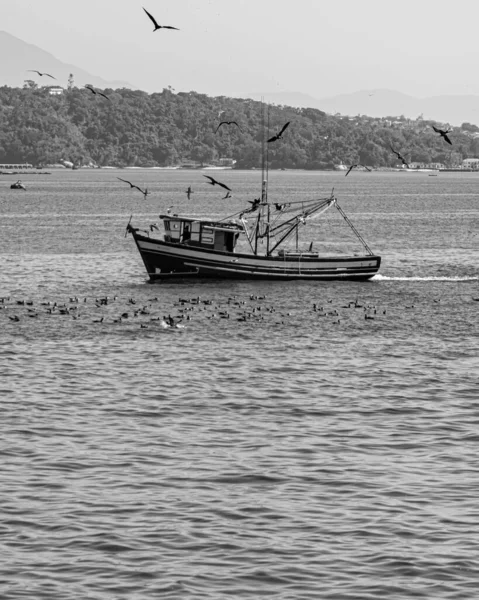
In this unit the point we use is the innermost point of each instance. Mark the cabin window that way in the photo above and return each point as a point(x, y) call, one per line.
point(219, 240)
point(175, 231)
point(186, 232)
point(207, 236)
point(195, 232)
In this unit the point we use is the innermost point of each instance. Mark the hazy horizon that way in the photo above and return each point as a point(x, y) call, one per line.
point(253, 47)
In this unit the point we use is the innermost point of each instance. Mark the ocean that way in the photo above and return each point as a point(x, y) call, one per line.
point(295, 454)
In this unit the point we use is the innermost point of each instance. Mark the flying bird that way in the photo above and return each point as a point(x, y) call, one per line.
point(214, 182)
point(404, 162)
point(96, 92)
point(189, 191)
point(41, 74)
point(443, 134)
point(153, 20)
point(132, 185)
point(254, 206)
point(145, 192)
point(354, 166)
point(228, 195)
point(279, 135)
point(228, 123)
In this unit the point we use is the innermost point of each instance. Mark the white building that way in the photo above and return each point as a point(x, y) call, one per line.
point(470, 163)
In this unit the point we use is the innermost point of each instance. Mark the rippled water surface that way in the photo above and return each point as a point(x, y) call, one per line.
point(264, 449)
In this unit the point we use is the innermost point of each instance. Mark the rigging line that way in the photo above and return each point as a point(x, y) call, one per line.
point(358, 235)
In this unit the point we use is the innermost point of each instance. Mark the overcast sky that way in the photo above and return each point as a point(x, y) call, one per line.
point(228, 47)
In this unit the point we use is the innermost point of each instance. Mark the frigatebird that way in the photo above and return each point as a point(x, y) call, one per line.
point(228, 195)
point(153, 20)
point(404, 162)
point(41, 74)
point(228, 123)
point(214, 182)
point(443, 134)
point(279, 135)
point(354, 166)
point(88, 87)
point(132, 185)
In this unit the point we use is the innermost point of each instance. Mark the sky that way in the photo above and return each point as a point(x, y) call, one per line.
point(233, 47)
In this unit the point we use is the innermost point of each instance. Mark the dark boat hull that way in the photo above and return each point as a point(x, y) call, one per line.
point(164, 260)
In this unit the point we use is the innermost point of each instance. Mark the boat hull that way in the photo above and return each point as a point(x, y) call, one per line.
point(165, 260)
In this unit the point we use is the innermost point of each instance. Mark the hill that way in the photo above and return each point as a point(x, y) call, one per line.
point(22, 57)
point(133, 128)
point(384, 103)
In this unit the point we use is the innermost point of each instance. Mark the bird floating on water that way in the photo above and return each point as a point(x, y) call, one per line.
point(214, 182)
point(443, 134)
point(279, 135)
point(153, 20)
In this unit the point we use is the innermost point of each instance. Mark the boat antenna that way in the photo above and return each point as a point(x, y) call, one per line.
point(128, 225)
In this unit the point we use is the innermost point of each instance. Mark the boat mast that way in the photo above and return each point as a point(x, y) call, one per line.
point(265, 189)
point(257, 232)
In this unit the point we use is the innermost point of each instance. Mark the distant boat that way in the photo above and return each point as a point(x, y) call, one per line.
point(18, 185)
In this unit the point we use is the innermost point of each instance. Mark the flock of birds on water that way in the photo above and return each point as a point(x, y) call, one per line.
point(115, 311)
point(149, 314)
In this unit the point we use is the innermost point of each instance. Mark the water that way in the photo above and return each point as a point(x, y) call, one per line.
point(290, 455)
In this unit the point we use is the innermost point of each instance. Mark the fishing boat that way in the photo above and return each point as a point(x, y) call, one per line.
point(201, 247)
point(261, 241)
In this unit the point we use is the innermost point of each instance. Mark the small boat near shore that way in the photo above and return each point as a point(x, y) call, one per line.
point(18, 185)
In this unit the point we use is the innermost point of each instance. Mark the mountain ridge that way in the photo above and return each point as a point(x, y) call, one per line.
point(446, 108)
point(23, 57)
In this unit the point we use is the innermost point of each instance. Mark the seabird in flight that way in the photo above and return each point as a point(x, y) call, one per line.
point(228, 123)
point(443, 134)
point(156, 24)
point(279, 135)
point(214, 182)
point(401, 158)
point(354, 166)
point(88, 87)
point(41, 74)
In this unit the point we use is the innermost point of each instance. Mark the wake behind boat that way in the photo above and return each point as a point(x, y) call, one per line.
point(202, 248)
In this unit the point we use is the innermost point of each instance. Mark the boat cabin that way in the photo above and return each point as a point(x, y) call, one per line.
point(220, 236)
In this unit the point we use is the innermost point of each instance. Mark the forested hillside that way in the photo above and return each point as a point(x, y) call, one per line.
point(133, 128)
